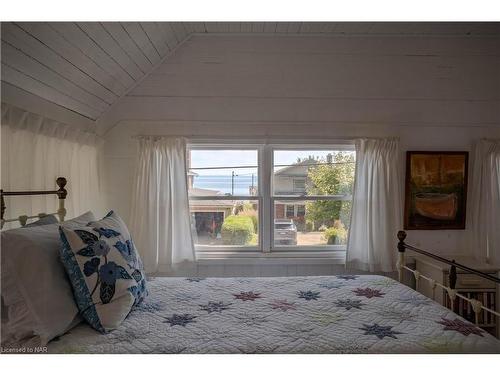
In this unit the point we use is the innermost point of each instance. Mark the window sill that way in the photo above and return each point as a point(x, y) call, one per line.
point(260, 258)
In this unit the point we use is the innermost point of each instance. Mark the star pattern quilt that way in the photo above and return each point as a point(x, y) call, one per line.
point(320, 314)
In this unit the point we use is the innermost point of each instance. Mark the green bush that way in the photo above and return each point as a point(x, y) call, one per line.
point(255, 222)
point(252, 214)
point(255, 240)
point(237, 230)
point(335, 235)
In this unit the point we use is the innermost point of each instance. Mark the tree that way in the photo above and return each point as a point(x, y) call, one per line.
point(333, 176)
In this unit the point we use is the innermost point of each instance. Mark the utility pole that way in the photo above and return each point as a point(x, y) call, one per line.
point(232, 182)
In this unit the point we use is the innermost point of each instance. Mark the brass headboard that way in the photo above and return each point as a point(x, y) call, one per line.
point(61, 194)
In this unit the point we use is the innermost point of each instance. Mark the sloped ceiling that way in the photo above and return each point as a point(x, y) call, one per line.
point(87, 67)
point(84, 67)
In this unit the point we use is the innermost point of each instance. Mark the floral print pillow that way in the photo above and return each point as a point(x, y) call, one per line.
point(105, 270)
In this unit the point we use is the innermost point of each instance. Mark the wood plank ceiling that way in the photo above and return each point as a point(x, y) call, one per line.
point(86, 67)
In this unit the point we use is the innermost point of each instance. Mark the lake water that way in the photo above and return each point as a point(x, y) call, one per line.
point(242, 184)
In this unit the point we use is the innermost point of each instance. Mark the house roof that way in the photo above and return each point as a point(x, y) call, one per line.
point(207, 204)
point(296, 170)
point(203, 192)
point(80, 70)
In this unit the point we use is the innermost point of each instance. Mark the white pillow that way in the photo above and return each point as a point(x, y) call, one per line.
point(36, 292)
point(45, 220)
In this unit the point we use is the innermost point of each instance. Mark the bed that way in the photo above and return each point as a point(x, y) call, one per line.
point(323, 314)
point(320, 314)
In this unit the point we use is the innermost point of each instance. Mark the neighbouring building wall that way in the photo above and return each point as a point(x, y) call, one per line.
point(433, 93)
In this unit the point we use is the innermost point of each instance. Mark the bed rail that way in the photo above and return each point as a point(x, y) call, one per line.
point(23, 219)
point(452, 293)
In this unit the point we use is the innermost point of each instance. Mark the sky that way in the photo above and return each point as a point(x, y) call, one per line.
point(234, 158)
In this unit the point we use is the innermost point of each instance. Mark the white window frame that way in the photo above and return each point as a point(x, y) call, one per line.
point(266, 199)
point(294, 183)
point(287, 205)
point(258, 198)
point(288, 198)
point(297, 209)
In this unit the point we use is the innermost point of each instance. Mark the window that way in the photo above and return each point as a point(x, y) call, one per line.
point(299, 185)
point(223, 200)
point(305, 205)
point(321, 211)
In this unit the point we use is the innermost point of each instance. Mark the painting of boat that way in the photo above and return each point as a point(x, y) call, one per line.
point(436, 189)
point(437, 206)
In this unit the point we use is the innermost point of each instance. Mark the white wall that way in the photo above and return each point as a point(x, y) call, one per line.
point(433, 93)
point(321, 79)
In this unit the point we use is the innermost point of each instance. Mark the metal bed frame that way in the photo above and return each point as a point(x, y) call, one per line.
point(23, 219)
point(402, 246)
point(452, 293)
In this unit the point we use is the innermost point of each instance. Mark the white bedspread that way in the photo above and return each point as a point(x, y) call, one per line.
point(324, 314)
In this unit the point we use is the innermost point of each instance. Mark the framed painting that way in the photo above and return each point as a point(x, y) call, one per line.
point(436, 189)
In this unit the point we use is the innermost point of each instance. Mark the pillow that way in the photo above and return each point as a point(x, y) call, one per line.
point(105, 271)
point(37, 296)
point(45, 220)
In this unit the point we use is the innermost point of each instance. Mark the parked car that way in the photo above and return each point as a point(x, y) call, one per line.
point(285, 232)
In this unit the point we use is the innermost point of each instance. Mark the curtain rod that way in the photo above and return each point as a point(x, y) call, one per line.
point(256, 137)
point(230, 136)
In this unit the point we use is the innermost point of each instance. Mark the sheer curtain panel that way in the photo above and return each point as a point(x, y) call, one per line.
point(160, 219)
point(484, 202)
point(35, 151)
point(377, 206)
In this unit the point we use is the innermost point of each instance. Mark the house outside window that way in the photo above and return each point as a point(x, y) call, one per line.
point(305, 206)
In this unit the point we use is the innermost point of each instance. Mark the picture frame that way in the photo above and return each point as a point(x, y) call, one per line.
point(436, 190)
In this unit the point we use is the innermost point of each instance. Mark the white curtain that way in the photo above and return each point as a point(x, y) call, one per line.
point(484, 202)
point(160, 219)
point(377, 206)
point(35, 151)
